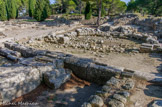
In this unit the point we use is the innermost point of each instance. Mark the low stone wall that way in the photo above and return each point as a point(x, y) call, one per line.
point(124, 19)
point(115, 93)
point(54, 69)
point(25, 51)
point(148, 24)
point(120, 32)
point(154, 24)
point(84, 68)
point(89, 70)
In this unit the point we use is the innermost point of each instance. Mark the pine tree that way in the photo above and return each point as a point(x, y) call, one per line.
point(31, 7)
point(11, 9)
point(39, 11)
point(88, 10)
point(47, 9)
point(3, 13)
point(103, 11)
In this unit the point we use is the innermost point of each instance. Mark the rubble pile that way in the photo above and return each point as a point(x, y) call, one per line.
point(105, 41)
point(114, 93)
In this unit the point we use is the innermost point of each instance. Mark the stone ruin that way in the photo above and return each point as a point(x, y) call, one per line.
point(149, 43)
point(32, 67)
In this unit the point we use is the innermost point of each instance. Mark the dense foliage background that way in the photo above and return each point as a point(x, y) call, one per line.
point(42, 9)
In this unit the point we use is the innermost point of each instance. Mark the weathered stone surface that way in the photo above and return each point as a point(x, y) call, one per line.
point(91, 32)
point(31, 62)
point(86, 69)
point(146, 48)
point(120, 98)
point(43, 58)
point(128, 73)
point(9, 54)
point(156, 103)
point(106, 88)
point(113, 82)
point(57, 39)
point(63, 40)
point(96, 101)
point(115, 103)
point(56, 78)
point(129, 84)
point(102, 94)
point(25, 51)
point(71, 34)
point(16, 81)
point(125, 94)
point(152, 40)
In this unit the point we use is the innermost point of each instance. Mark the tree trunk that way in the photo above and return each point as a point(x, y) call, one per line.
point(110, 8)
point(62, 6)
point(99, 12)
point(80, 6)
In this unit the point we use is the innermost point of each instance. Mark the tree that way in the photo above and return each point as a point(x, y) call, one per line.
point(132, 6)
point(99, 12)
point(88, 10)
point(11, 9)
point(3, 13)
point(152, 7)
point(39, 9)
point(103, 11)
point(70, 6)
point(99, 5)
point(47, 9)
point(31, 7)
point(42, 10)
point(80, 6)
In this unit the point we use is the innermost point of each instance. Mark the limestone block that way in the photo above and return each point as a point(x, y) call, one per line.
point(146, 48)
point(17, 80)
point(96, 101)
point(56, 78)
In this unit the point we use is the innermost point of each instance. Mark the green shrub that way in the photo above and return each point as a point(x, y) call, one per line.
point(11, 9)
point(88, 10)
point(3, 13)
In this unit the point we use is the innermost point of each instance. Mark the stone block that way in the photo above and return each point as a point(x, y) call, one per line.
point(17, 80)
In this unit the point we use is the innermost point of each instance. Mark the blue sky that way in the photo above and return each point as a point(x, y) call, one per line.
point(121, 0)
point(125, 1)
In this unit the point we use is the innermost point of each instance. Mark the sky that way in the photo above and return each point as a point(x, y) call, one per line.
point(125, 1)
point(121, 0)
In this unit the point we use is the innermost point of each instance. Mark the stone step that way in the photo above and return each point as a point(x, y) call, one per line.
point(56, 78)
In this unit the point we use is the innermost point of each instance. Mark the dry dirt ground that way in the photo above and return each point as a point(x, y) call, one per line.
point(75, 92)
point(145, 62)
point(144, 92)
point(71, 94)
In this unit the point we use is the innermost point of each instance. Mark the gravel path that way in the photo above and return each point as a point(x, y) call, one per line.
point(35, 32)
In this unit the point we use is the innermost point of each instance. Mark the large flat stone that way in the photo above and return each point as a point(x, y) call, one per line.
point(17, 80)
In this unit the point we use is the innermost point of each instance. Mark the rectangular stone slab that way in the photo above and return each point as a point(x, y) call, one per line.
point(17, 81)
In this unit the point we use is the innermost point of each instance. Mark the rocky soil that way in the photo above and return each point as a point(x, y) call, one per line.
point(117, 48)
point(130, 55)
